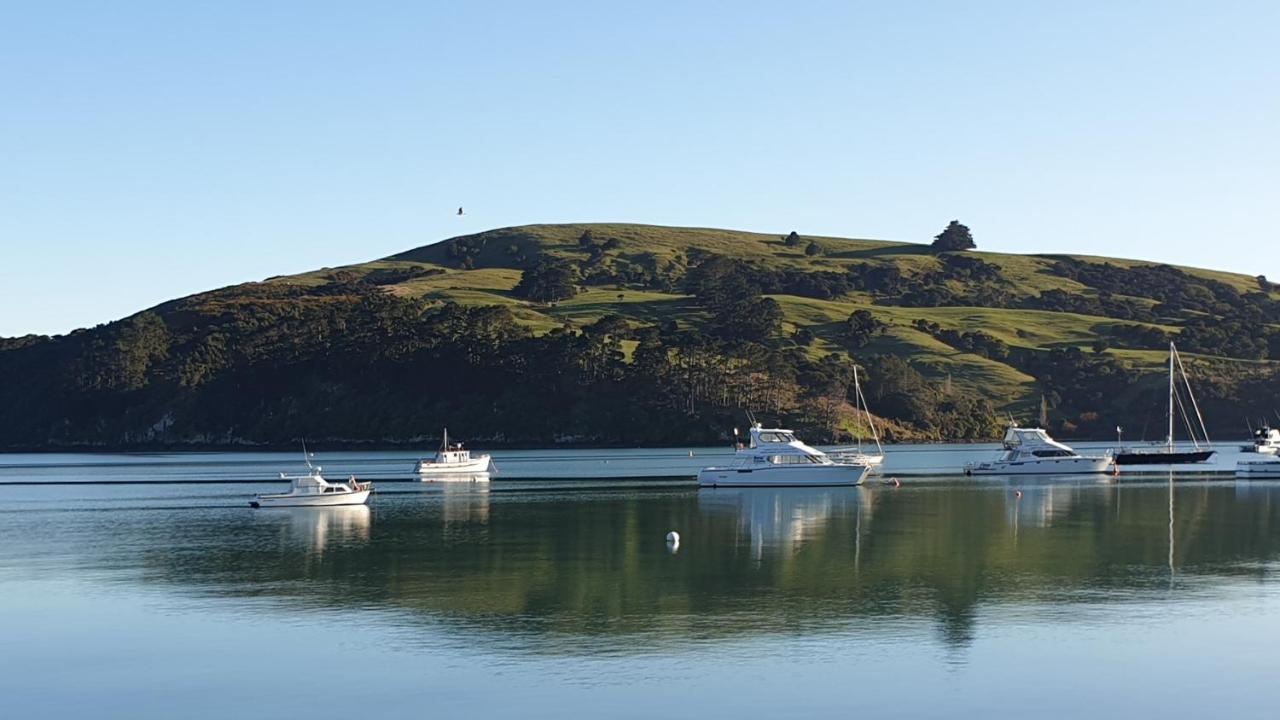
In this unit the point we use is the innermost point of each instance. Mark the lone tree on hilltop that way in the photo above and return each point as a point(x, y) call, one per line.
point(955, 237)
point(812, 249)
point(586, 239)
point(792, 240)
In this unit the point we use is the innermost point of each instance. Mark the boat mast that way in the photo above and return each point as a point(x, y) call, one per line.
point(1169, 437)
point(861, 400)
point(857, 401)
point(1195, 406)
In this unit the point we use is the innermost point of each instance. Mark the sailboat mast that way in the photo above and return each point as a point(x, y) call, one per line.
point(857, 401)
point(1169, 437)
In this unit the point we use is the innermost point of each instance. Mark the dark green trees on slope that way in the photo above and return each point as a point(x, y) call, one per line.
point(638, 335)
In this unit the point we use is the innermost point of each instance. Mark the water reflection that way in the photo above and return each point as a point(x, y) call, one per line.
point(316, 528)
point(566, 571)
point(778, 518)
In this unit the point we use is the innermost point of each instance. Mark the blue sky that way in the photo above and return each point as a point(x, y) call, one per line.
point(153, 150)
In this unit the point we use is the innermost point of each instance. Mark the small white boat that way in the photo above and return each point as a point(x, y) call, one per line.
point(1261, 469)
point(1266, 440)
point(775, 458)
point(1030, 451)
point(855, 455)
point(312, 490)
point(453, 460)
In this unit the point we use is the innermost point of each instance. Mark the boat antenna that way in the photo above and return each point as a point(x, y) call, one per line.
point(306, 456)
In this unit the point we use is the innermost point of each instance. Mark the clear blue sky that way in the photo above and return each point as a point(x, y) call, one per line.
point(153, 150)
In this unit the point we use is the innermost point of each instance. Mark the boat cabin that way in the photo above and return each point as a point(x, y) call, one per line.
point(776, 446)
point(1022, 443)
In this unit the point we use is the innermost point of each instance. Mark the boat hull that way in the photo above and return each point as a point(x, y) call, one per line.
point(359, 497)
point(783, 476)
point(1258, 469)
point(455, 477)
point(1046, 466)
point(433, 470)
point(1163, 458)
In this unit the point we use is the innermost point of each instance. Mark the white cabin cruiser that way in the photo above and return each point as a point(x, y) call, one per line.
point(1261, 469)
point(1266, 440)
point(312, 490)
point(775, 458)
point(1030, 451)
point(454, 460)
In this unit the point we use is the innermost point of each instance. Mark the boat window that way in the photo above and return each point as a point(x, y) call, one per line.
point(794, 459)
point(1051, 453)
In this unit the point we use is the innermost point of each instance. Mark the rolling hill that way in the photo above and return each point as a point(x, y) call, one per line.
point(635, 334)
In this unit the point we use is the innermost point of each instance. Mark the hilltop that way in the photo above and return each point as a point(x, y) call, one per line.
point(633, 334)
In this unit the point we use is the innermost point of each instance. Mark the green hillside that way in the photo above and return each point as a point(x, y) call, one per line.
point(497, 258)
point(620, 325)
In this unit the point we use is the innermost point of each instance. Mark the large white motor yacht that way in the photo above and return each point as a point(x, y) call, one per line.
point(454, 460)
point(1030, 451)
point(775, 458)
point(1266, 440)
point(313, 490)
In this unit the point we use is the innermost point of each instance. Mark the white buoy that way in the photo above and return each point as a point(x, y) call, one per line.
point(673, 537)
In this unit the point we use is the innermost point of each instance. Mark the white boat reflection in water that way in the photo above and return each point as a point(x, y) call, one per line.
point(783, 518)
point(318, 528)
point(462, 502)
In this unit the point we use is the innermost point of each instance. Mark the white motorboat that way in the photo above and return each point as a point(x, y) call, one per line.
point(1030, 451)
point(775, 458)
point(856, 455)
point(312, 490)
point(453, 460)
point(1261, 469)
point(1266, 440)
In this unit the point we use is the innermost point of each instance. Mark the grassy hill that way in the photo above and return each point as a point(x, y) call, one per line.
point(498, 257)
point(649, 325)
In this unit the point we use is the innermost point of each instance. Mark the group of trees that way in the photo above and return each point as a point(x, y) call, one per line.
point(270, 362)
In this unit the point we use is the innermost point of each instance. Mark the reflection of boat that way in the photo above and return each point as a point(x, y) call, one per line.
point(318, 527)
point(776, 458)
point(1266, 440)
point(855, 455)
point(453, 460)
point(312, 490)
point(784, 517)
point(1030, 451)
point(1261, 469)
point(461, 503)
point(1167, 454)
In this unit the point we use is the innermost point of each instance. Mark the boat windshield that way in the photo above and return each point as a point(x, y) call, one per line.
point(777, 437)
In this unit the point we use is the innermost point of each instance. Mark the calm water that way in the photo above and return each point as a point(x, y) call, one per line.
point(558, 597)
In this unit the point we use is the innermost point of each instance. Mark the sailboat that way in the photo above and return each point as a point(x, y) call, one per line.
point(855, 455)
point(1168, 454)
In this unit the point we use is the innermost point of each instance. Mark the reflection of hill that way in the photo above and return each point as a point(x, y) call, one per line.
point(546, 570)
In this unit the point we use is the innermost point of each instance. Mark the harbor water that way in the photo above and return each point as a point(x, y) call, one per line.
point(138, 586)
